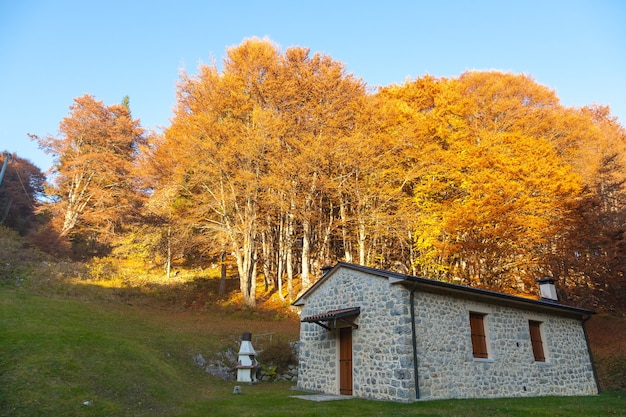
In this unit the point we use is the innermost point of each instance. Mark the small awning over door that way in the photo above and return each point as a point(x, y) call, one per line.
point(332, 317)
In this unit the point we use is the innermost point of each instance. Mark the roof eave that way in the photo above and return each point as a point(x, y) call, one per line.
point(487, 294)
point(397, 278)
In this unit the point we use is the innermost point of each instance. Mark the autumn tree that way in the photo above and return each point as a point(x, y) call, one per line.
point(93, 188)
point(252, 147)
point(318, 106)
point(489, 189)
point(167, 216)
point(401, 131)
point(21, 186)
point(589, 259)
point(218, 139)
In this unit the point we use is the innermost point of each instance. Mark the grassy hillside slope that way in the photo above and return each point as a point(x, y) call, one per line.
point(76, 357)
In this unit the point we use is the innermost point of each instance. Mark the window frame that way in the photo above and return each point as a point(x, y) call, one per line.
point(478, 334)
point(535, 329)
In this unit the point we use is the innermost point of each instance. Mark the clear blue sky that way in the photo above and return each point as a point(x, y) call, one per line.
point(54, 51)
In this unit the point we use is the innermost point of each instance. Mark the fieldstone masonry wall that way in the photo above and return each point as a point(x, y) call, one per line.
point(381, 346)
point(447, 368)
point(383, 352)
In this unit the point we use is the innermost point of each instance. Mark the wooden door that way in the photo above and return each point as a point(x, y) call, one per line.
point(345, 361)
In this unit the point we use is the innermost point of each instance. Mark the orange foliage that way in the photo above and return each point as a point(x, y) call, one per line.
point(284, 163)
point(94, 187)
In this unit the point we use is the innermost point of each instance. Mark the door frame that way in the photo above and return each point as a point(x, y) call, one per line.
point(345, 377)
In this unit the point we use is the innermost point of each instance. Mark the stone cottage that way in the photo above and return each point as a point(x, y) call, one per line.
point(383, 335)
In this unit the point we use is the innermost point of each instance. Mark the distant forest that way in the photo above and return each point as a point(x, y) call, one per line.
point(280, 162)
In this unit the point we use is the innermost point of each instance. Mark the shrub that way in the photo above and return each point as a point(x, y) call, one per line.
point(101, 269)
point(16, 261)
point(279, 355)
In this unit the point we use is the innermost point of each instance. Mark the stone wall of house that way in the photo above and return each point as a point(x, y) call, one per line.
point(381, 346)
point(447, 368)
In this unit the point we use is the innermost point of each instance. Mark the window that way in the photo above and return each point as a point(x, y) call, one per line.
point(479, 338)
point(535, 340)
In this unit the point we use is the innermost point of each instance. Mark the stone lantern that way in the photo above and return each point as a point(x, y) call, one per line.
point(247, 364)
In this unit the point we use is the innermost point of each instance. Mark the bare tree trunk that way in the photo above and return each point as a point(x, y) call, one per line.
point(347, 245)
point(7, 156)
point(223, 273)
point(325, 246)
point(290, 292)
point(412, 253)
point(252, 287)
point(246, 268)
point(279, 273)
point(245, 255)
point(78, 198)
point(289, 251)
point(266, 249)
point(168, 262)
point(306, 254)
point(362, 236)
point(282, 247)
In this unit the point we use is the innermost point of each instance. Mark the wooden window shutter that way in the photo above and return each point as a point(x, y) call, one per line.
point(479, 338)
point(535, 340)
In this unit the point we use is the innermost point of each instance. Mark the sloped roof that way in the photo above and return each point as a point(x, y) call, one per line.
point(461, 290)
point(333, 314)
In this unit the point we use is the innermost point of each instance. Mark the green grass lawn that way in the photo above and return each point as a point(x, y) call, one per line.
point(275, 400)
point(79, 357)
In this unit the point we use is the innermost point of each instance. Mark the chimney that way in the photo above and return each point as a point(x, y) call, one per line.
point(547, 289)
